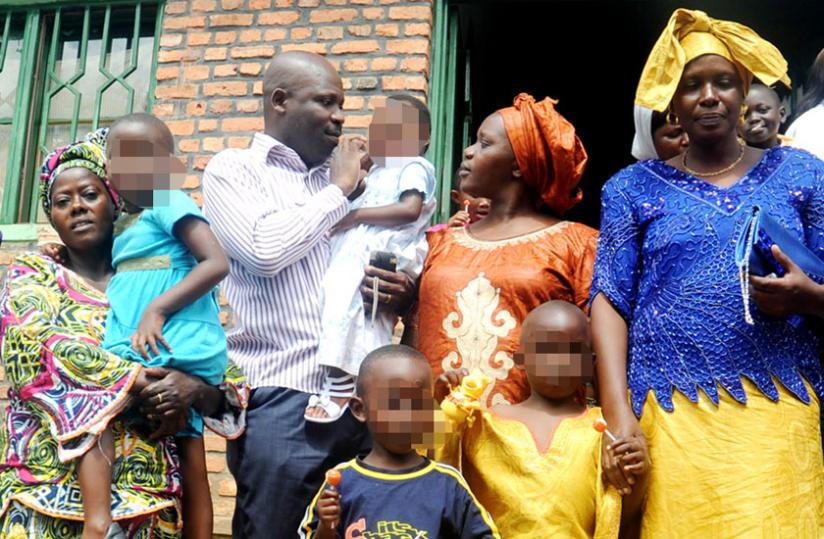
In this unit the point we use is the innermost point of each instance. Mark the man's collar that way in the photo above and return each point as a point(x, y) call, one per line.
point(264, 146)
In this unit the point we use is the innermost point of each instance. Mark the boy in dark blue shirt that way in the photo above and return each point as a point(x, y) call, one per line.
point(393, 492)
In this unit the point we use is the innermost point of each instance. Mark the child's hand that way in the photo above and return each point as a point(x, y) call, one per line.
point(460, 219)
point(447, 381)
point(55, 251)
point(149, 331)
point(631, 455)
point(329, 509)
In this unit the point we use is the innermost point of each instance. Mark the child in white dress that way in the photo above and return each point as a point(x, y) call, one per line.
point(390, 216)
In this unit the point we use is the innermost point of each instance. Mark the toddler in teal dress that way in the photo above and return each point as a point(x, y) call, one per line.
point(164, 310)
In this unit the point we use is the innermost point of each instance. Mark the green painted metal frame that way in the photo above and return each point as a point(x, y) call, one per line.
point(442, 101)
point(98, 99)
point(17, 145)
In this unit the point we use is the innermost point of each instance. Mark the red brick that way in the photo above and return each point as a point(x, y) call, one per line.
point(163, 110)
point(220, 106)
point(361, 2)
point(206, 125)
point(184, 55)
point(390, 1)
point(204, 5)
point(232, 125)
point(234, 19)
point(250, 36)
point(181, 127)
point(177, 23)
point(186, 91)
point(300, 33)
point(196, 73)
point(225, 38)
point(238, 88)
point(213, 144)
point(262, 51)
point(356, 64)
point(171, 40)
point(192, 181)
point(387, 30)
point(317, 48)
point(335, 2)
point(345, 47)
point(284, 3)
point(225, 70)
point(176, 8)
point(330, 32)
point(215, 53)
point(353, 103)
point(332, 15)
point(376, 101)
point(373, 13)
point(188, 145)
point(200, 163)
point(418, 29)
point(239, 142)
point(257, 88)
point(231, 4)
point(278, 17)
point(356, 122)
point(196, 39)
point(423, 13)
point(384, 64)
point(248, 105)
point(347, 84)
point(260, 4)
point(274, 34)
point(167, 73)
point(407, 46)
point(416, 63)
point(308, 3)
point(250, 70)
point(195, 108)
point(360, 30)
point(227, 487)
point(403, 83)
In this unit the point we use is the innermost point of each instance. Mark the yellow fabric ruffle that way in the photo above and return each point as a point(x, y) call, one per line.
point(736, 471)
point(677, 46)
point(532, 493)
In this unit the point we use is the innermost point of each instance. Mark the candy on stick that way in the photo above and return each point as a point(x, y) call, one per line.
point(601, 426)
point(333, 479)
point(466, 206)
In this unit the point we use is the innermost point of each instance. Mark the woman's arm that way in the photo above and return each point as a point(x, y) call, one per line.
point(400, 213)
point(212, 267)
point(609, 335)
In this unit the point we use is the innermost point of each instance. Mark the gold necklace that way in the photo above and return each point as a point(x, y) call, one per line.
point(717, 172)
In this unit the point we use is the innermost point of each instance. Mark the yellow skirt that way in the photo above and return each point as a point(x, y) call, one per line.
point(751, 471)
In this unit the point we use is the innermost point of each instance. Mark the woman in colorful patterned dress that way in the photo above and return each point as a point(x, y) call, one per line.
point(65, 389)
point(479, 282)
point(729, 411)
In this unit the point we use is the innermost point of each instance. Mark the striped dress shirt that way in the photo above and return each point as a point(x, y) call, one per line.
point(272, 215)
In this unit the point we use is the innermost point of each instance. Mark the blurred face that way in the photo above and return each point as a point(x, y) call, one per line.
point(763, 115)
point(489, 162)
point(82, 211)
point(556, 364)
point(312, 114)
point(708, 99)
point(670, 140)
point(399, 408)
point(140, 162)
point(396, 131)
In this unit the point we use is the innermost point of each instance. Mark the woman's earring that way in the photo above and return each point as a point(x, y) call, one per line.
point(672, 119)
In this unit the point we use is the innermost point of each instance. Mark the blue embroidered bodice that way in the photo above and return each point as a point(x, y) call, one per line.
point(666, 262)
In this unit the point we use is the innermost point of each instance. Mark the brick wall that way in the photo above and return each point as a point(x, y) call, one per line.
point(211, 60)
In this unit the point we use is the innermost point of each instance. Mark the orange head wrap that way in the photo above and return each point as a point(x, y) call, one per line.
point(551, 157)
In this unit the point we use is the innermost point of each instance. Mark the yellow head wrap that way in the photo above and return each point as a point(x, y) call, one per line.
point(690, 34)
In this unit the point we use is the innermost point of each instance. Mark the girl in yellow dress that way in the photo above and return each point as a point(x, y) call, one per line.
point(535, 465)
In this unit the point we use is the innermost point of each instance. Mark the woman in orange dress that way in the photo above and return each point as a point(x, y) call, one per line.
point(479, 282)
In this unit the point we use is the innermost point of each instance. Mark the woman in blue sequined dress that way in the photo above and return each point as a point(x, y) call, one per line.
point(729, 411)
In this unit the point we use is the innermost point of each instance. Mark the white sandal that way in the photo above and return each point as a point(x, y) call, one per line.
point(115, 532)
point(337, 387)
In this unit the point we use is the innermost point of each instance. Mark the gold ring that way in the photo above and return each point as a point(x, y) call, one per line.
point(159, 398)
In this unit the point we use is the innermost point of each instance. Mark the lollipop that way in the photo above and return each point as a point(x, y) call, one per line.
point(466, 206)
point(601, 426)
point(333, 479)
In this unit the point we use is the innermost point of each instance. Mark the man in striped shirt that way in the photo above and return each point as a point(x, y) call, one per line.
point(272, 206)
